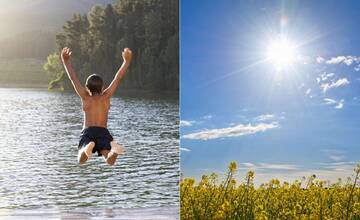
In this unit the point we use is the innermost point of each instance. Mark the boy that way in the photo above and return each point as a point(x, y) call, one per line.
point(96, 104)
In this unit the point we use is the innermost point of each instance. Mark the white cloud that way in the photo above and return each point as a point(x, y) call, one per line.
point(357, 68)
point(234, 131)
point(334, 155)
point(264, 172)
point(340, 82)
point(264, 117)
point(207, 117)
point(330, 171)
point(185, 123)
point(184, 149)
point(247, 164)
point(268, 166)
point(339, 165)
point(324, 76)
point(320, 59)
point(338, 104)
point(278, 166)
point(329, 101)
point(348, 60)
point(336, 60)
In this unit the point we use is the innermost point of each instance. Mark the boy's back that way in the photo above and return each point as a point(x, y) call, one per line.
point(96, 110)
point(95, 136)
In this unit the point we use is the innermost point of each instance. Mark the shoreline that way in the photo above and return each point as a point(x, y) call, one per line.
point(121, 93)
point(23, 86)
point(93, 213)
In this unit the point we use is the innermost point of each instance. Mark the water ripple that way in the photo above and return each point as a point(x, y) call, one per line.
point(40, 131)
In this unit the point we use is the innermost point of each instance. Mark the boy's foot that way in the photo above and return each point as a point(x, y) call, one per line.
point(116, 149)
point(86, 152)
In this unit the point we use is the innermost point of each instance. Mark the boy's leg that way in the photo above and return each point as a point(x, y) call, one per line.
point(86, 152)
point(105, 154)
point(110, 156)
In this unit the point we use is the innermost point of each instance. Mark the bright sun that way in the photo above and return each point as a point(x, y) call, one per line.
point(281, 53)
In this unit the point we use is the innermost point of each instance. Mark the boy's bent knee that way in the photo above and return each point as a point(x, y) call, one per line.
point(110, 160)
point(81, 161)
point(110, 163)
point(82, 158)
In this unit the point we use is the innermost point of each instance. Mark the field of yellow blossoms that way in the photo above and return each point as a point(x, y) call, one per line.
point(306, 199)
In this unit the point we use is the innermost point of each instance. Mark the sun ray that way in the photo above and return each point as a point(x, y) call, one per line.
point(228, 74)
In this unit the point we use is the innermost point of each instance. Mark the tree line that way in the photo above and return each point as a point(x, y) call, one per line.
point(149, 27)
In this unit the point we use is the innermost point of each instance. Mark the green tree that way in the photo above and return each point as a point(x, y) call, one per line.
point(54, 68)
point(148, 27)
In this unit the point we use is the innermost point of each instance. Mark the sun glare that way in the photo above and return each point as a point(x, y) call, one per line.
point(281, 53)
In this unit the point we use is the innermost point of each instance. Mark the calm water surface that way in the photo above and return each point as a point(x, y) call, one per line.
point(38, 166)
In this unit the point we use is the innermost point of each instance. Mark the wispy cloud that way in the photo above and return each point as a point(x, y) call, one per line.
point(238, 130)
point(334, 155)
point(320, 59)
point(324, 76)
point(348, 60)
point(185, 149)
point(185, 123)
point(268, 166)
point(207, 117)
point(248, 165)
point(338, 104)
point(290, 172)
point(330, 101)
point(357, 68)
point(265, 117)
point(307, 93)
point(329, 171)
point(340, 82)
point(339, 165)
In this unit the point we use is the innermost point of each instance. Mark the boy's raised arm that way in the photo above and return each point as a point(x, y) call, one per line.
point(65, 57)
point(127, 55)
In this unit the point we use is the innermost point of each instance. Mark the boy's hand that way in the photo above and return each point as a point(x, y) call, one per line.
point(66, 54)
point(127, 55)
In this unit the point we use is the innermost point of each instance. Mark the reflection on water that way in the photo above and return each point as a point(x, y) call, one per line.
point(38, 168)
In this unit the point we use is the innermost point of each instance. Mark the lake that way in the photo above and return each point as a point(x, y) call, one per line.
point(39, 170)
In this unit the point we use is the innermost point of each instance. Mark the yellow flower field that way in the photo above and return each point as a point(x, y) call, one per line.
point(306, 199)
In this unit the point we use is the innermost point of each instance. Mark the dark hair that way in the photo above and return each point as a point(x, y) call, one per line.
point(95, 84)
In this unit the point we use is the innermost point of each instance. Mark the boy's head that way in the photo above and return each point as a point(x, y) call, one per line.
point(94, 84)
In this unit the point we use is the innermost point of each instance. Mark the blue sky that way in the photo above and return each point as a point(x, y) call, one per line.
point(236, 104)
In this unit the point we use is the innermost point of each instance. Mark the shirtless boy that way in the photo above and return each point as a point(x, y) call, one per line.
point(95, 136)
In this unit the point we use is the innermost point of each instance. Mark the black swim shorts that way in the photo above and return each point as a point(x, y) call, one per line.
point(101, 136)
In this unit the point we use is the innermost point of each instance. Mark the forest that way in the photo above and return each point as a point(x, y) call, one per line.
point(150, 28)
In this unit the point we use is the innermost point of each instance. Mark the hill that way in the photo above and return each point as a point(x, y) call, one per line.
point(20, 16)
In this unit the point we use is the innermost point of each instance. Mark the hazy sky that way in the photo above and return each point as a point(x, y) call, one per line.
point(237, 105)
point(19, 16)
